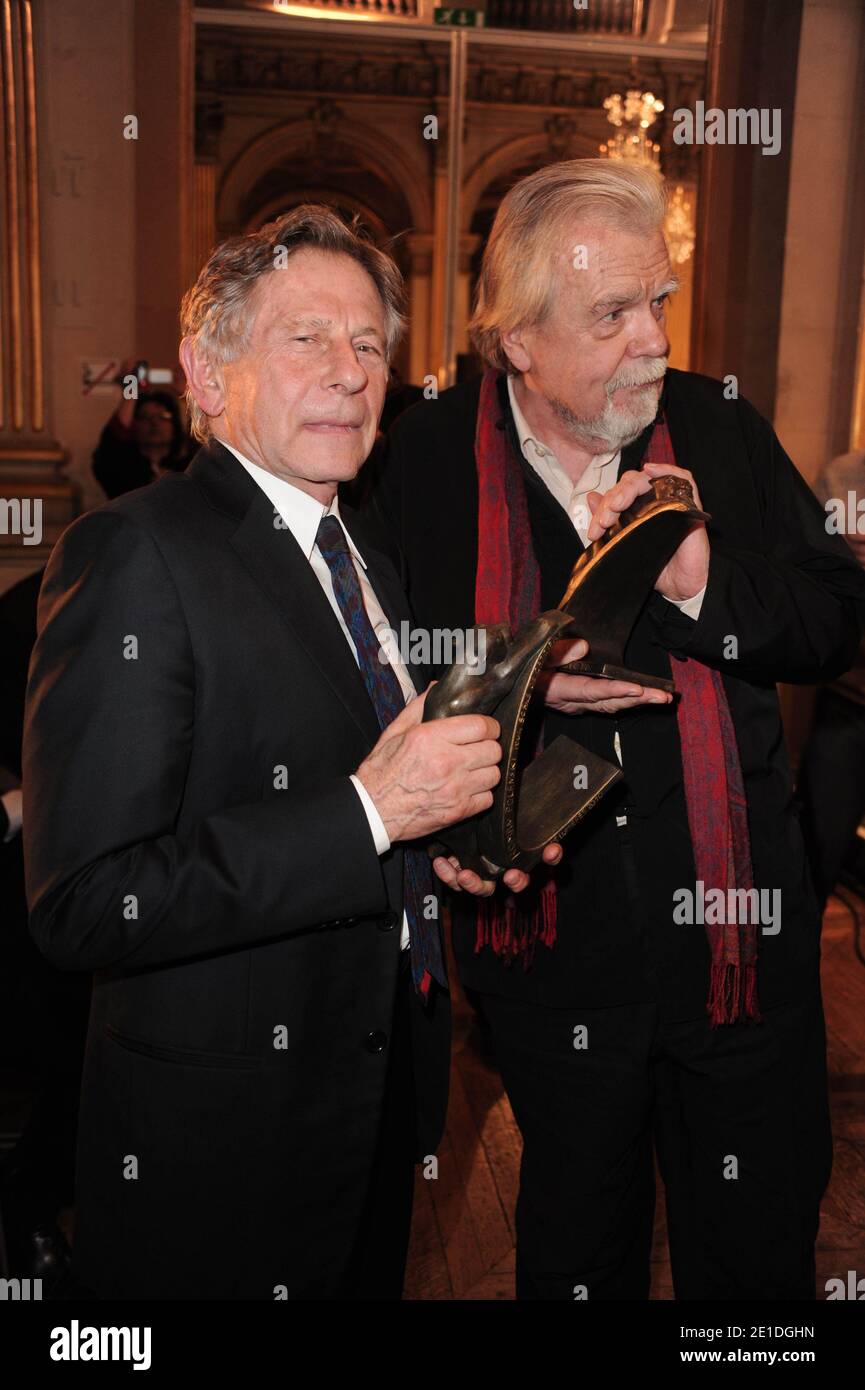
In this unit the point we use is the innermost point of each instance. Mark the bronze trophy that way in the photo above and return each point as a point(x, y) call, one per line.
point(609, 585)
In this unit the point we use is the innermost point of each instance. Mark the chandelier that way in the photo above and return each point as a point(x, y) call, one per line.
point(633, 116)
point(679, 227)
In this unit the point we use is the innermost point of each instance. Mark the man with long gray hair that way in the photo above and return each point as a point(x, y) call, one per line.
point(630, 1013)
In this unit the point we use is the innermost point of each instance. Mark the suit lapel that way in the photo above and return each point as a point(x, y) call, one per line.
point(274, 559)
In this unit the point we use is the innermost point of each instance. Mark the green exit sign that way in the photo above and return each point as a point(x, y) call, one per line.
point(463, 15)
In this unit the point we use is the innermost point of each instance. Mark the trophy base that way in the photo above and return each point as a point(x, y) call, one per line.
point(607, 671)
point(556, 791)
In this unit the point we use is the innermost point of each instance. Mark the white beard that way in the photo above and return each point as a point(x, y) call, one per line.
point(616, 425)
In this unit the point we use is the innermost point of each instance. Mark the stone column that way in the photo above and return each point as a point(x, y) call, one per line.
point(209, 120)
point(739, 257)
point(439, 257)
point(469, 243)
point(819, 324)
point(164, 155)
point(36, 501)
point(421, 362)
point(825, 239)
point(204, 212)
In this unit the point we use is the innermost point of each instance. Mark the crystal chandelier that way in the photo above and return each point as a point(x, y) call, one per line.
point(633, 116)
point(679, 227)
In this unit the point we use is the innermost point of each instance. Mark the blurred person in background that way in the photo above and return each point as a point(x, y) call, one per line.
point(832, 779)
point(144, 438)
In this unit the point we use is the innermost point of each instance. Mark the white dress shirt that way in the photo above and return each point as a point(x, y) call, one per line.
point(600, 475)
point(302, 515)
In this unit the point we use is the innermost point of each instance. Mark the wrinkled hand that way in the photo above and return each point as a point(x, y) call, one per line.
point(423, 777)
point(688, 570)
point(449, 871)
point(588, 694)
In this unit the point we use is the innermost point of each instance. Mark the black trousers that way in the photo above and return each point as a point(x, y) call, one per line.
point(739, 1119)
point(377, 1267)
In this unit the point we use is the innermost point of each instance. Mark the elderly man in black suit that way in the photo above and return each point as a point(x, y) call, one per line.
point(629, 1011)
point(228, 789)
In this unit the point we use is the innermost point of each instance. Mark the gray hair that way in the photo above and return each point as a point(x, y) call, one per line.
point(518, 273)
point(215, 313)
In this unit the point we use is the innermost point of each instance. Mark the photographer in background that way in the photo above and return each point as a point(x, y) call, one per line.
point(144, 438)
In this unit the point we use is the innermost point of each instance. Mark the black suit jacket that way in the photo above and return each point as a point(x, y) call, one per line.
point(192, 836)
point(792, 596)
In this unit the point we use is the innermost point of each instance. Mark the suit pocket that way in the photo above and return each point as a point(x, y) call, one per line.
point(183, 1056)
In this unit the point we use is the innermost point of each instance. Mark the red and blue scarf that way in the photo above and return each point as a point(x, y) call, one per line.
point(508, 589)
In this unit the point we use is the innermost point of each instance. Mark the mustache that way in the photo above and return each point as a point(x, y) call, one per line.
point(638, 376)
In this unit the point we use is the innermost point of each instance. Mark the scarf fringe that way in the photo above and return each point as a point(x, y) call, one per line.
point(725, 986)
point(512, 932)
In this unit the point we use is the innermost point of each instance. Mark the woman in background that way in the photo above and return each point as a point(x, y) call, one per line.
point(143, 439)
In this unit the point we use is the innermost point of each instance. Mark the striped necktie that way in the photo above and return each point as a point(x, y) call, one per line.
point(386, 694)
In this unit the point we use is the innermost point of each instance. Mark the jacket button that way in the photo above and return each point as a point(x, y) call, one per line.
point(376, 1041)
point(388, 921)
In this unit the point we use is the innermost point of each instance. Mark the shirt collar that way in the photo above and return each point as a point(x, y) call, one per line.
point(300, 512)
point(523, 431)
point(530, 443)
